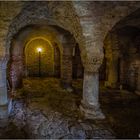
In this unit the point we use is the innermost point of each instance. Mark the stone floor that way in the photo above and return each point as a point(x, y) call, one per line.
point(122, 110)
point(42, 109)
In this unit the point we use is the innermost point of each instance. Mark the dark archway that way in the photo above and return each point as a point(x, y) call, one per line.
point(121, 52)
point(59, 60)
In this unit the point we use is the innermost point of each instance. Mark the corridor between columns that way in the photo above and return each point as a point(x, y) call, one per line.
point(67, 67)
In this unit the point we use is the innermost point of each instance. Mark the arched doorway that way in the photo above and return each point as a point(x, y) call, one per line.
point(122, 58)
point(39, 55)
point(122, 65)
point(27, 60)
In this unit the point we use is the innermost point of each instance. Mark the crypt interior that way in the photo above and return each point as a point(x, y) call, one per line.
point(69, 69)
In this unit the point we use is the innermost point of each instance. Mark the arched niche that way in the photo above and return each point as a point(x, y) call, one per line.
point(25, 42)
point(39, 57)
point(121, 53)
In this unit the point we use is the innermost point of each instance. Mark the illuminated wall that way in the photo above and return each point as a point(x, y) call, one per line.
point(46, 58)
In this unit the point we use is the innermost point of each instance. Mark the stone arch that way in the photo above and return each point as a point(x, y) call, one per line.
point(47, 57)
point(66, 39)
point(20, 40)
point(37, 13)
point(111, 56)
point(114, 49)
point(48, 14)
point(42, 15)
point(39, 37)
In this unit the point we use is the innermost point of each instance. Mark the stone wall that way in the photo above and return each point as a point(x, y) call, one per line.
point(8, 10)
point(78, 69)
point(122, 54)
point(66, 67)
point(87, 21)
point(96, 21)
point(110, 14)
point(46, 58)
point(57, 61)
point(24, 51)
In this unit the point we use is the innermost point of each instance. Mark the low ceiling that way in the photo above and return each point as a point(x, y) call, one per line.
point(131, 20)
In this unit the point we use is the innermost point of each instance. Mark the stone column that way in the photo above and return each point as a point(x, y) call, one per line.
point(92, 56)
point(57, 59)
point(66, 68)
point(3, 87)
point(16, 72)
point(90, 104)
point(3, 90)
point(77, 64)
point(113, 71)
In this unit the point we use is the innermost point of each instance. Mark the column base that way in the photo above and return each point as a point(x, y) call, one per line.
point(111, 85)
point(91, 112)
point(67, 86)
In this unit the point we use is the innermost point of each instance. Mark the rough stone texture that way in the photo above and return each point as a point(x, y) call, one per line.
point(3, 82)
point(96, 21)
point(78, 69)
point(90, 103)
point(16, 72)
point(112, 55)
point(122, 58)
point(57, 61)
point(66, 69)
point(8, 11)
point(46, 58)
point(51, 112)
point(89, 23)
point(46, 12)
point(53, 125)
point(121, 109)
point(59, 41)
point(3, 114)
point(109, 15)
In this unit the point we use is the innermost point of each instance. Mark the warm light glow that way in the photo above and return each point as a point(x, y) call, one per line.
point(39, 49)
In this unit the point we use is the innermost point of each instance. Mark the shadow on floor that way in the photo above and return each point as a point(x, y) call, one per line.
point(122, 109)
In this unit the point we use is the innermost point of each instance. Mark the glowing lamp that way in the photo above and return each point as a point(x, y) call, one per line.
point(39, 49)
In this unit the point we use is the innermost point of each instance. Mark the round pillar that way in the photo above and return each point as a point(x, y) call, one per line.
point(90, 106)
point(3, 91)
point(113, 66)
point(3, 85)
point(16, 72)
point(66, 64)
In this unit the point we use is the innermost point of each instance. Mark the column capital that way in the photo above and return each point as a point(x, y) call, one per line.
point(93, 63)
